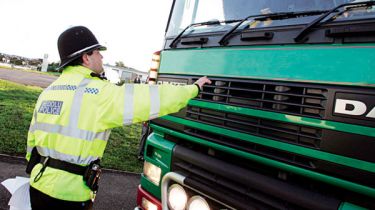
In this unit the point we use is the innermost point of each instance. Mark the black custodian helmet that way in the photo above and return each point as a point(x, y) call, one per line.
point(75, 41)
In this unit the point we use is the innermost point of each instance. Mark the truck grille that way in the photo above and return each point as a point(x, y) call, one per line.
point(264, 151)
point(291, 133)
point(277, 97)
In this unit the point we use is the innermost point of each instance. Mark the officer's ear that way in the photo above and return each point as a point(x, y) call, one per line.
point(85, 60)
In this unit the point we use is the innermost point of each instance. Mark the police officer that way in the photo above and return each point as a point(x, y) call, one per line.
point(74, 116)
point(137, 80)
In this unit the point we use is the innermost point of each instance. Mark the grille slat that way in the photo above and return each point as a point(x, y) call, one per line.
point(280, 131)
point(262, 100)
point(264, 91)
point(255, 149)
point(257, 125)
point(278, 97)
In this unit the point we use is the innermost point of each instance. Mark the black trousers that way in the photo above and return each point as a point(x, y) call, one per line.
point(41, 201)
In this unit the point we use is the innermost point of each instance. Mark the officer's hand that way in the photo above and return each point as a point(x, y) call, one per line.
point(201, 81)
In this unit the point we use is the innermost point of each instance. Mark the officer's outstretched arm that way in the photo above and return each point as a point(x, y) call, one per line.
point(174, 98)
point(167, 99)
point(132, 103)
point(152, 101)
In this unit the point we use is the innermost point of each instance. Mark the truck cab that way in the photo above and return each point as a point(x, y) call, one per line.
point(289, 119)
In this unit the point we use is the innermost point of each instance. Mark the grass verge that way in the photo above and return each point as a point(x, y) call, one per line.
point(16, 106)
point(33, 71)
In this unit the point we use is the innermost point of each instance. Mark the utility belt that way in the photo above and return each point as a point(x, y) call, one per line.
point(91, 173)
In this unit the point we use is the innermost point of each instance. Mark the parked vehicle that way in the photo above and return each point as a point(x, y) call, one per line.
point(289, 119)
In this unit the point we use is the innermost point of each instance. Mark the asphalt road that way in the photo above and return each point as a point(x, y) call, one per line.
point(27, 78)
point(118, 190)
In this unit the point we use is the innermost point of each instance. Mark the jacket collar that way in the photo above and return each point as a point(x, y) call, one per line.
point(78, 70)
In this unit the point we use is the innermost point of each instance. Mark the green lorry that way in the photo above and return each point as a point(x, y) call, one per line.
point(289, 119)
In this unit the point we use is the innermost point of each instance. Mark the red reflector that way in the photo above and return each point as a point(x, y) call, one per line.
point(144, 194)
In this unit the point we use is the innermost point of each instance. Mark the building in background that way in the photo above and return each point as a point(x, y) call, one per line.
point(117, 74)
point(19, 62)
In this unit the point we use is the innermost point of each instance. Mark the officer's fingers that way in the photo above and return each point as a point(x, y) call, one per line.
point(203, 80)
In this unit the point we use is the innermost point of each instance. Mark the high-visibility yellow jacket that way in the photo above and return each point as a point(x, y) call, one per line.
point(73, 118)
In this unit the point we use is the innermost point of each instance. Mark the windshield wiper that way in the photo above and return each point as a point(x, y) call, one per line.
point(273, 16)
point(177, 38)
point(307, 29)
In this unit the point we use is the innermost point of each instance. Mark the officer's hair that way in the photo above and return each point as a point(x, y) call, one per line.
point(79, 61)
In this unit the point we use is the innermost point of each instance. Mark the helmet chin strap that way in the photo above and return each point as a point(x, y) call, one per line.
point(100, 76)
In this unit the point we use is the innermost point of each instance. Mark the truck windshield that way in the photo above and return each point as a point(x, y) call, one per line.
point(186, 12)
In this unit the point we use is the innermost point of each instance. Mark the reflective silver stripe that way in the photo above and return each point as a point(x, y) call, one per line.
point(64, 157)
point(28, 149)
point(48, 88)
point(128, 104)
point(84, 49)
point(76, 105)
point(72, 129)
point(154, 102)
point(70, 132)
point(35, 115)
point(34, 121)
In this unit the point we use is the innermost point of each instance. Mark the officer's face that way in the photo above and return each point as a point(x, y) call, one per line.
point(95, 62)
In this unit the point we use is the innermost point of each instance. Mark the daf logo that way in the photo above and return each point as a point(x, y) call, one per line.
point(354, 108)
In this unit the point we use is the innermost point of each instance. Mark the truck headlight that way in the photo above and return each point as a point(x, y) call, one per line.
point(147, 205)
point(152, 172)
point(197, 203)
point(177, 197)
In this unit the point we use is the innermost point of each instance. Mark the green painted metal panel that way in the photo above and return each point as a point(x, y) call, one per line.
point(303, 172)
point(350, 64)
point(354, 163)
point(150, 187)
point(158, 152)
point(350, 128)
point(350, 206)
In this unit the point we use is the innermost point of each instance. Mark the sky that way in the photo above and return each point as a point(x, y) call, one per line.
point(130, 29)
